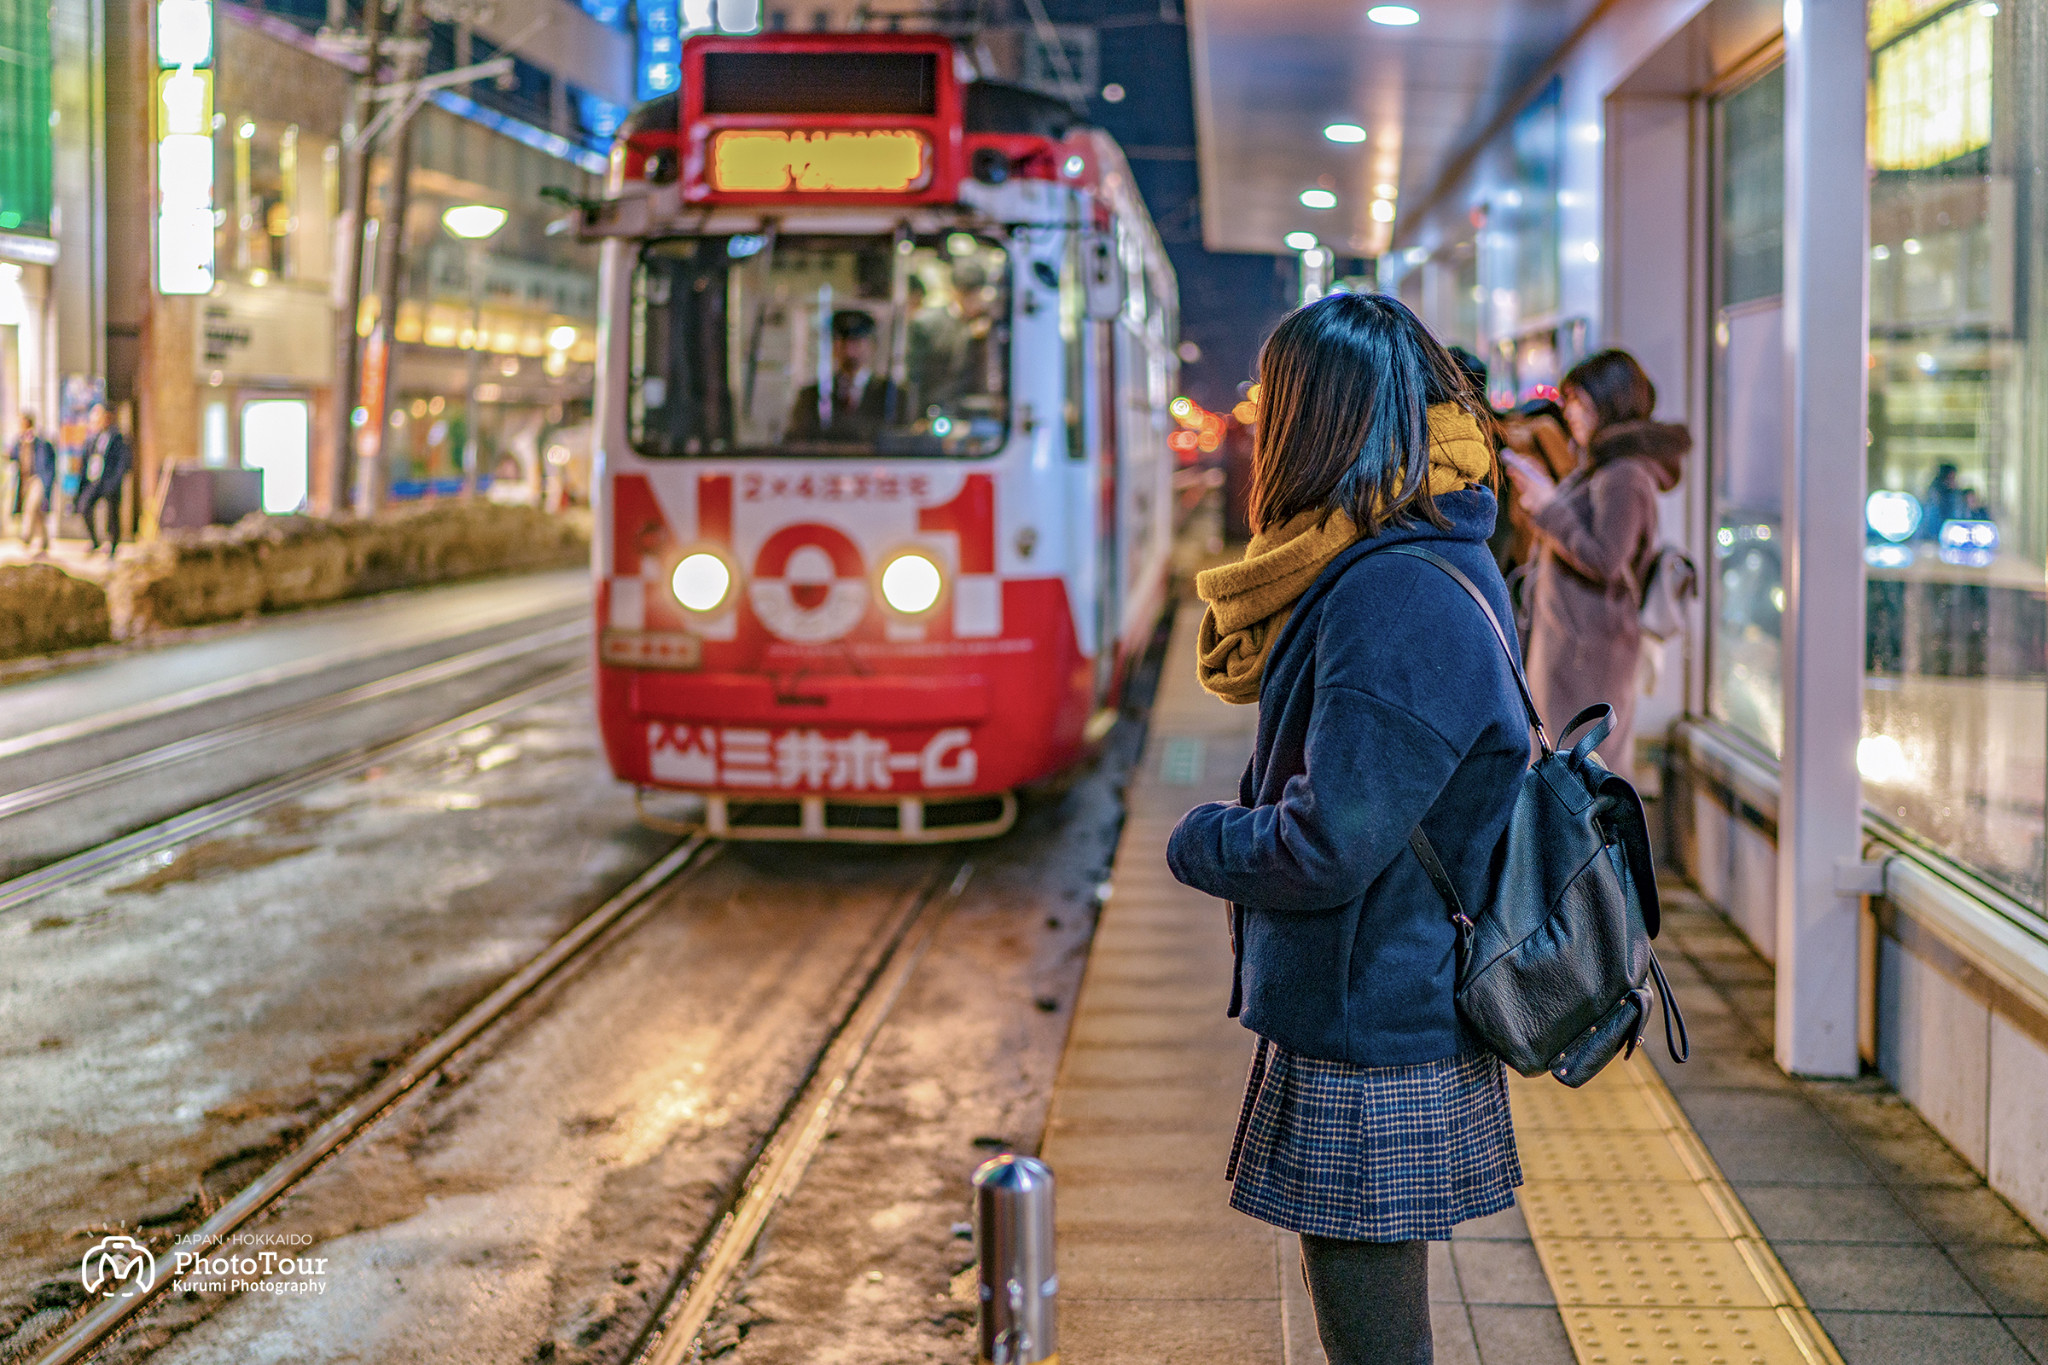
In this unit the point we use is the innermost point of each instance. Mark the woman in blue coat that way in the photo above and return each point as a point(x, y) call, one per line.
point(1373, 1120)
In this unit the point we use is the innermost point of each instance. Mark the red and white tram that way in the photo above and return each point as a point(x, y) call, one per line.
point(883, 490)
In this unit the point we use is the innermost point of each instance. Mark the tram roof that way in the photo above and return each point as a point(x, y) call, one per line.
point(1269, 78)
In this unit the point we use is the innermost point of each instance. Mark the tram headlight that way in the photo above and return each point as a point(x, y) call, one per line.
point(701, 581)
point(910, 583)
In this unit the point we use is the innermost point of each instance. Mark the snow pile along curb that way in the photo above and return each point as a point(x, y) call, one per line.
point(44, 609)
point(265, 564)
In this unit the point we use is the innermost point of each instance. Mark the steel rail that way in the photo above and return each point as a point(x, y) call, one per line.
point(108, 1318)
point(780, 1162)
point(211, 816)
point(87, 726)
point(213, 741)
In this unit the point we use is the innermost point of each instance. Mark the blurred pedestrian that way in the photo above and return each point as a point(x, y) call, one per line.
point(1372, 1123)
point(1595, 536)
point(1536, 431)
point(35, 480)
point(106, 469)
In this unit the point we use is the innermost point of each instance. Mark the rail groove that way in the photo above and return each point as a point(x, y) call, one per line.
point(779, 1163)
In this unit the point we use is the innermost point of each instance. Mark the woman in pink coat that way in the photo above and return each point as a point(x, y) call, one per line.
point(1595, 536)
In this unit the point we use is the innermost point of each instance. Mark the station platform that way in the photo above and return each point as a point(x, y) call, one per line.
point(1718, 1211)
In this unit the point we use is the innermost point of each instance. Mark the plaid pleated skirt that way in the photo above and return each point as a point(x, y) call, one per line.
point(1373, 1153)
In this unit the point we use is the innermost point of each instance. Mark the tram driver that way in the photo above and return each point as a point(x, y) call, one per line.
point(858, 402)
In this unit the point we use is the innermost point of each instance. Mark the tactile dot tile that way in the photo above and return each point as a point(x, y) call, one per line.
point(1549, 1154)
point(1634, 1274)
point(1680, 1336)
point(1585, 1208)
point(1597, 1108)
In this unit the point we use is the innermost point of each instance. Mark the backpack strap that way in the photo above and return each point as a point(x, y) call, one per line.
point(1499, 634)
point(1425, 853)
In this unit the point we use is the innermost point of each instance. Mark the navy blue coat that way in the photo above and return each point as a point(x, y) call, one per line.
point(1385, 701)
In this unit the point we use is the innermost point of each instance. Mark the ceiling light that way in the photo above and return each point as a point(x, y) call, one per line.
point(1300, 241)
point(1344, 132)
point(1393, 16)
point(1384, 191)
point(1383, 210)
point(1318, 199)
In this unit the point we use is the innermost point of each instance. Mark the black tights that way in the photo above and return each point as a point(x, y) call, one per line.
point(1371, 1300)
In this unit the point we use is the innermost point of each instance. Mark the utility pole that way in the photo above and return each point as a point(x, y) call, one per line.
point(348, 265)
point(410, 30)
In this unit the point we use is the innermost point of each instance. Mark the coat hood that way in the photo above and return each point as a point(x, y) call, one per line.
point(1662, 445)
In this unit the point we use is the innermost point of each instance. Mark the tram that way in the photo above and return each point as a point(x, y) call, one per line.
point(882, 482)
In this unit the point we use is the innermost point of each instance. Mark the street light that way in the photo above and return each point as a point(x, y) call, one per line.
point(474, 224)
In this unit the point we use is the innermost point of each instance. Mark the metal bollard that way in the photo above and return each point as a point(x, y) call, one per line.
point(1013, 1242)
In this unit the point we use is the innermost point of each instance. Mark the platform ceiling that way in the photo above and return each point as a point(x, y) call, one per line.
point(1270, 75)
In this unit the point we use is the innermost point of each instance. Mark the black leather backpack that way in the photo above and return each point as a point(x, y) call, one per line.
point(1553, 974)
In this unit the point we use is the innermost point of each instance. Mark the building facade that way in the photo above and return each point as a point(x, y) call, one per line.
point(1820, 238)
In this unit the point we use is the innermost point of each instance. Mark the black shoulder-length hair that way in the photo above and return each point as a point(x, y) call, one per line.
point(1344, 386)
point(1614, 383)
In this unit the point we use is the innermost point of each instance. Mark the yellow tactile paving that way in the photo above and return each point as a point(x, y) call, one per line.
point(1626, 1273)
point(1585, 1208)
point(1651, 1255)
point(1625, 1155)
point(1681, 1336)
point(1600, 1105)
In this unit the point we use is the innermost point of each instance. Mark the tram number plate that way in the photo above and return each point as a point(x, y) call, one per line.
point(650, 648)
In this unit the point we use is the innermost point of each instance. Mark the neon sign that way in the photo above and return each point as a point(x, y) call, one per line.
point(184, 146)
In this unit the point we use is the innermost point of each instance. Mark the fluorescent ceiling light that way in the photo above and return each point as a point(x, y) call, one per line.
point(1344, 132)
point(1393, 16)
point(1318, 199)
point(1300, 241)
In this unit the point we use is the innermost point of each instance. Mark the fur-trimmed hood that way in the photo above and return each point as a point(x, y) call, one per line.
point(1663, 445)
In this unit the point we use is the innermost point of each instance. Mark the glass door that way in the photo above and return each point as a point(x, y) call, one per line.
point(1746, 594)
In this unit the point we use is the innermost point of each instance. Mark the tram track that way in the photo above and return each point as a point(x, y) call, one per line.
point(212, 815)
point(192, 748)
point(103, 1322)
point(767, 1174)
point(780, 1158)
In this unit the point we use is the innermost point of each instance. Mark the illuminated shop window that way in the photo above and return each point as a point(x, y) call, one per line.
point(1931, 97)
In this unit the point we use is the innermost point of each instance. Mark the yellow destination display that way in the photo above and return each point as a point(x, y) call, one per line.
point(773, 161)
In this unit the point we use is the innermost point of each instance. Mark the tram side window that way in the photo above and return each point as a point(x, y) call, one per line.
point(815, 345)
point(674, 404)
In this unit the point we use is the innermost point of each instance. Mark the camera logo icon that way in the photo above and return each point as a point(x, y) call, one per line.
point(118, 1262)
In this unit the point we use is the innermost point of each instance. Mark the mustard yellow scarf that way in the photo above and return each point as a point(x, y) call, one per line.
point(1249, 601)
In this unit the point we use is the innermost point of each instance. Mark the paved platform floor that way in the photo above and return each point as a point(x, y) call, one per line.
point(1713, 1212)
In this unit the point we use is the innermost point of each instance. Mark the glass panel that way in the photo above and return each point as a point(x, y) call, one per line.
point(1955, 747)
point(24, 116)
point(1746, 590)
point(765, 345)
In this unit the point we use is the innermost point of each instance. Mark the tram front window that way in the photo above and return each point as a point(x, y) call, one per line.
point(811, 345)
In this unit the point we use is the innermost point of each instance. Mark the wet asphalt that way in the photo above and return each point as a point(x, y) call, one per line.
point(173, 1026)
